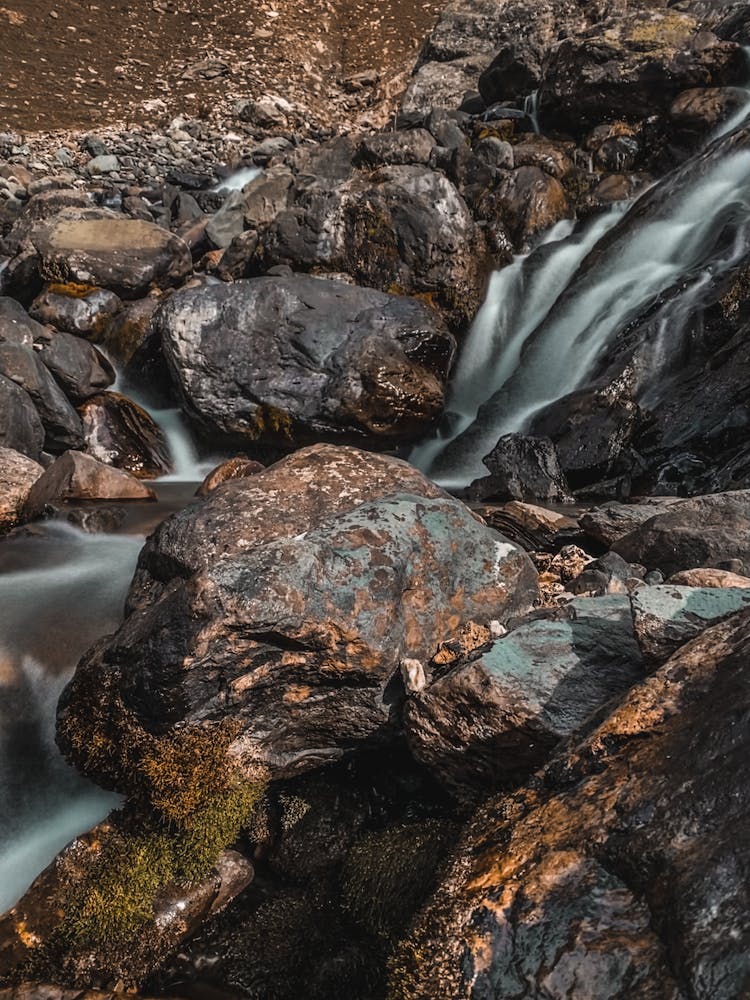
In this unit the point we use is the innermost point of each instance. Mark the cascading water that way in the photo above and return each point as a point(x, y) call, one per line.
point(550, 316)
point(60, 590)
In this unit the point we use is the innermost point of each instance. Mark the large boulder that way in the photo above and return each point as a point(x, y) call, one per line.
point(402, 229)
point(280, 361)
point(702, 531)
point(18, 473)
point(620, 873)
point(494, 718)
point(286, 603)
point(78, 368)
point(98, 247)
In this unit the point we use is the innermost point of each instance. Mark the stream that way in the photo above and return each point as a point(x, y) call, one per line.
point(546, 320)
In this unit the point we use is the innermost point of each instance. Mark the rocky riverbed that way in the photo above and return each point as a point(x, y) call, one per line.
point(423, 400)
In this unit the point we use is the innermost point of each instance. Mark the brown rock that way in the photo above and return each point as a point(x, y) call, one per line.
point(234, 468)
point(17, 475)
point(707, 577)
point(120, 433)
point(75, 476)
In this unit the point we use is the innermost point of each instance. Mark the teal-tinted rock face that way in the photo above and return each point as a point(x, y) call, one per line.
point(666, 617)
point(492, 719)
point(287, 601)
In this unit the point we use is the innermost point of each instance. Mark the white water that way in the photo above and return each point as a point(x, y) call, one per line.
point(543, 328)
point(238, 180)
point(60, 590)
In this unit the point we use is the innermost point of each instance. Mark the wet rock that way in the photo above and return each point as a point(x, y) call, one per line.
point(178, 911)
point(78, 368)
point(20, 425)
point(699, 110)
point(18, 473)
point(633, 66)
point(310, 582)
point(704, 577)
point(75, 476)
point(535, 529)
point(614, 520)
point(528, 201)
point(512, 75)
point(287, 360)
point(79, 309)
point(103, 248)
point(375, 226)
point(238, 467)
point(702, 531)
point(492, 719)
point(130, 329)
point(22, 365)
point(120, 433)
point(523, 468)
point(668, 616)
point(603, 876)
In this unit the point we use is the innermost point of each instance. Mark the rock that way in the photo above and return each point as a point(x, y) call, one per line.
point(120, 433)
point(50, 991)
point(22, 365)
point(528, 201)
point(443, 85)
point(609, 574)
point(614, 520)
point(78, 368)
point(288, 360)
point(375, 226)
point(105, 164)
point(130, 329)
point(701, 109)
point(535, 529)
point(75, 476)
point(80, 309)
point(523, 468)
point(557, 571)
point(20, 426)
point(396, 148)
point(310, 582)
point(18, 473)
point(493, 719)
point(705, 577)
point(228, 222)
point(668, 616)
point(238, 467)
point(702, 531)
point(602, 877)
point(103, 248)
point(632, 66)
point(178, 911)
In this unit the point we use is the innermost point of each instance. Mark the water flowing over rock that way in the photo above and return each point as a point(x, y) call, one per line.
point(603, 876)
point(291, 597)
point(280, 361)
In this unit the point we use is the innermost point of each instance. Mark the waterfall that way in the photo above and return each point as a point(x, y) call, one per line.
point(549, 317)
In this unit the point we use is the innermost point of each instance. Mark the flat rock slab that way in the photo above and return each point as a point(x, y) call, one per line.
point(668, 616)
point(102, 248)
point(495, 717)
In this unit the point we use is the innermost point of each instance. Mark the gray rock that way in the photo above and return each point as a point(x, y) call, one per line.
point(18, 473)
point(20, 425)
point(86, 312)
point(75, 476)
point(78, 368)
point(106, 164)
point(392, 148)
point(494, 718)
point(523, 468)
point(614, 520)
point(668, 616)
point(283, 361)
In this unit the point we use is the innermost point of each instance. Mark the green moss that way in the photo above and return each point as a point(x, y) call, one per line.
point(194, 799)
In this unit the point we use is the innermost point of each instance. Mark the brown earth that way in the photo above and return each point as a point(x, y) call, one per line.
point(76, 64)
